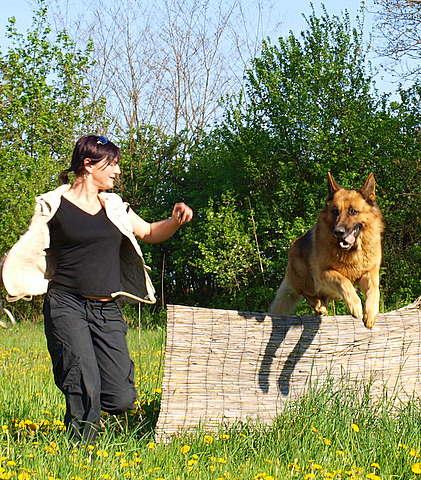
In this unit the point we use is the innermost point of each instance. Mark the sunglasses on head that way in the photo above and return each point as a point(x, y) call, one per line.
point(102, 140)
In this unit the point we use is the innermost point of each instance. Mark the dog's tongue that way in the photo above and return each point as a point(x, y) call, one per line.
point(350, 239)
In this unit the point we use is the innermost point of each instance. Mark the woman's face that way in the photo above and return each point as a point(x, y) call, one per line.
point(104, 173)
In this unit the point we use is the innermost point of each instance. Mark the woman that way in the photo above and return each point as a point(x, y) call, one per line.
point(80, 249)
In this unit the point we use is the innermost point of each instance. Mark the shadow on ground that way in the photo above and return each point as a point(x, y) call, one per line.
point(139, 422)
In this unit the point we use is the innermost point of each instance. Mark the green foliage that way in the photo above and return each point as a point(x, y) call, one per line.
point(227, 252)
point(152, 168)
point(398, 173)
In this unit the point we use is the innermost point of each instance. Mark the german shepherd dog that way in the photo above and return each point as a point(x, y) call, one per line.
point(342, 249)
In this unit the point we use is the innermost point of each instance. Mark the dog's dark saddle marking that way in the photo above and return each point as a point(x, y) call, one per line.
point(304, 243)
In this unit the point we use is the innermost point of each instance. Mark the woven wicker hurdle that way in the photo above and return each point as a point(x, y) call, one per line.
point(223, 366)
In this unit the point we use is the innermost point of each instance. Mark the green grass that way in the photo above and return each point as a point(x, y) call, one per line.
point(313, 438)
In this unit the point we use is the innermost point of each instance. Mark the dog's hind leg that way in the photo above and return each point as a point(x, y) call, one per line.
point(285, 300)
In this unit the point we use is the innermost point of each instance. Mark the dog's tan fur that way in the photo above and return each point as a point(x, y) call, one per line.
point(319, 269)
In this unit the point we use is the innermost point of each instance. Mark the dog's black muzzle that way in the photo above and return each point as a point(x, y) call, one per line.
point(347, 237)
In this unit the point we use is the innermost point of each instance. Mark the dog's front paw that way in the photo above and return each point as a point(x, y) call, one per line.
point(369, 320)
point(320, 308)
point(356, 310)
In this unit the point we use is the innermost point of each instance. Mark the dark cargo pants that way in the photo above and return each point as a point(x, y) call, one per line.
point(91, 363)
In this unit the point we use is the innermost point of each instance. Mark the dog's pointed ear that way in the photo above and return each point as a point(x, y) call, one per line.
point(333, 186)
point(368, 190)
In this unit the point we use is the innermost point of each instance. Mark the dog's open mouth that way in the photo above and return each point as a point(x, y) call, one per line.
point(348, 241)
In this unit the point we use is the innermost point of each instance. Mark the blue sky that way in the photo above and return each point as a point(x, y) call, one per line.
point(278, 18)
point(284, 14)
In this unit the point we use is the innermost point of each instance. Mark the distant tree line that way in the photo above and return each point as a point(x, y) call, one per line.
point(255, 178)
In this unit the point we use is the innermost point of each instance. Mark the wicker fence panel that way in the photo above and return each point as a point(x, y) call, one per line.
point(223, 366)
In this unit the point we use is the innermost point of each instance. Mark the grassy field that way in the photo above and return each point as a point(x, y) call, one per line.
point(329, 434)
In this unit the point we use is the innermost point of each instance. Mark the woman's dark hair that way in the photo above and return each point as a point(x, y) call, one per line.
point(96, 148)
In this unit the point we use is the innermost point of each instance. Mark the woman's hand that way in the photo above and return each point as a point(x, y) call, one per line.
point(181, 214)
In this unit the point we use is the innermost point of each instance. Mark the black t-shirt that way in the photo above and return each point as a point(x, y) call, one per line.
point(86, 251)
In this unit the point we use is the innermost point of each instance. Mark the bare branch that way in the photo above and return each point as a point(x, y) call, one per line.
point(399, 23)
point(171, 63)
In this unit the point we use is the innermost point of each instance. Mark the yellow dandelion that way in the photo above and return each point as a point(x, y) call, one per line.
point(402, 445)
point(375, 465)
point(372, 476)
point(11, 463)
point(106, 477)
point(24, 476)
point(327, 441)
point(315, 466)
point(309, 476)
point(5, 428)
point(52, 448)
point(208, 439)
point(355, 427)
point(185, 449)
point(224, 436)
point(102, 453)
point(413, 452)
point(212, 468)
point(416, 468)
point(119, 454)
point(6, 475)
point(59, 424)
point(151, 445)
point(260, 476)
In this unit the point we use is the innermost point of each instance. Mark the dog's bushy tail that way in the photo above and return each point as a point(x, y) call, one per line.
point(286, 299)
